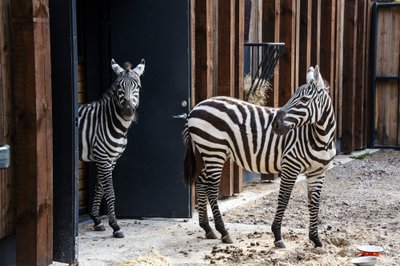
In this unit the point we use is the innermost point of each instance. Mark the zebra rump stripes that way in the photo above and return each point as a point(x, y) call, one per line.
point(297, 138)
point(103, 128)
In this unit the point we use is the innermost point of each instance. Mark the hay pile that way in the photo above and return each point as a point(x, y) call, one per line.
point(152, 258)
point(259, 96)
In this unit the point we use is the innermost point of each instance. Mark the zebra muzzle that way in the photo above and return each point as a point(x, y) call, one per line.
point(128, 111)
point(278, 124)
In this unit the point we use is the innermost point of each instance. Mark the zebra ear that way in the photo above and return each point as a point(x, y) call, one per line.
point(139, 69)
point(316, 73)
point(310, 74)
point(117, 69)
point(318, 79)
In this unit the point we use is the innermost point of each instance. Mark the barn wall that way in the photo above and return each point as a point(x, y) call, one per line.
point(217, 61)
point(325, 34)
point(333, 34)
point(387, 74)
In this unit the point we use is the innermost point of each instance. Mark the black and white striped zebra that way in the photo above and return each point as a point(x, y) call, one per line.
point(103, 128)
point(297, 138)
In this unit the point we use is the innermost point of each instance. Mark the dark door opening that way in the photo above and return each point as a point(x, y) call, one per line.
point(147, 178)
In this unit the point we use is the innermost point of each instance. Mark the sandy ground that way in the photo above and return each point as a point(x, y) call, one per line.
point(360, 204)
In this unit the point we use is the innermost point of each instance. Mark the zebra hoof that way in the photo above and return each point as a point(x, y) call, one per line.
point(226, 239)
point(99, 227)
point(279, 244)
point(211, 235)
point(118, 234)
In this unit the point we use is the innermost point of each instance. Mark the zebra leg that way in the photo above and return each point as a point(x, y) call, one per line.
point(314, 185)
point(98, 196)
point(212, 193)
point(105, 179)
point(201, 195)
point(285, 189)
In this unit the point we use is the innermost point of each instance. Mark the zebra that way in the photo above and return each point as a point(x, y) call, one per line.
point(297, 138)
point(103, 128)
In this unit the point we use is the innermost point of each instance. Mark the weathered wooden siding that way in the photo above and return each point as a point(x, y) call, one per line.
point(217, 61)
point(332, 34)
point(387, 107)
point(7, 181)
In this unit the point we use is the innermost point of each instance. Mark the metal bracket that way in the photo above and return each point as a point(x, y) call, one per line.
point(4, 156)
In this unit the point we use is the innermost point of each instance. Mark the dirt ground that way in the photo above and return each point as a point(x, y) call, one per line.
point(360, 204)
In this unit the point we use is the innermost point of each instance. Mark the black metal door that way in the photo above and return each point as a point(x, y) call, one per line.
point(147, 178)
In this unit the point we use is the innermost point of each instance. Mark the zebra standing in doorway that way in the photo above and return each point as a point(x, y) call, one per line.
point(297, 138)
point(103, 128)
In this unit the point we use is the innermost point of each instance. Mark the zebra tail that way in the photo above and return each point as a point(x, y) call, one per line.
point(189, 168)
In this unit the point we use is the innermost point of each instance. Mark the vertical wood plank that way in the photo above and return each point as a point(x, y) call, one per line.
point(205, 50)
point(316, 32)
point(270, 33)
point(305, 39)
point(7, 183)
point(239, 72)
point(226, 75)
point(339, 67)
point(287, 60)
point(327, 48)
point(32, 88)
point(368, 111)
point(277, 29)
point(349, 66)
point(360, 88)
point(297, 45)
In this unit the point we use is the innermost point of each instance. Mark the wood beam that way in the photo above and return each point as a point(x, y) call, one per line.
point(205, 45)
point(305, 39)
point(226, 75)
point(349, 74)
point(239, 75)
point(327, 49)
point(287, 60)
point(270, 33)
point(360, 88)
point(338, 95)
point(33, 150)
point(316, 32)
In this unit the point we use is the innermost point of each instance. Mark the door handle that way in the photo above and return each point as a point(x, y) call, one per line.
point(181, 116)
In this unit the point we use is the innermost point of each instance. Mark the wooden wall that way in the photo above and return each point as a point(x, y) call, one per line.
point(217, 61)
point(332, 33)
point(387, 104)
point(7, 181)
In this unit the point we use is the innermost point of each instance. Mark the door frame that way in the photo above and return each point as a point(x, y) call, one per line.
point(64, 57)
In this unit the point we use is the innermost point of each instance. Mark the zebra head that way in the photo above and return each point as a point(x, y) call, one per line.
point(127, 87)
point(305, 106)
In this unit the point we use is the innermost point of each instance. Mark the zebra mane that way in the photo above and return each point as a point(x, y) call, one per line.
point(127, 66)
